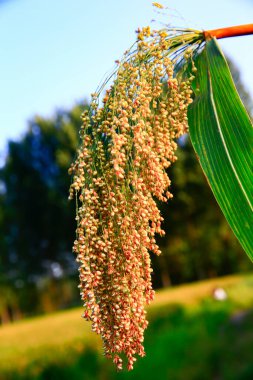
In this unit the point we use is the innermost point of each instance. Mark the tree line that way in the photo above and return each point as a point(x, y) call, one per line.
point(37, 267)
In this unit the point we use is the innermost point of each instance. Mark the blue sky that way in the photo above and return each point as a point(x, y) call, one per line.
point(55, 52)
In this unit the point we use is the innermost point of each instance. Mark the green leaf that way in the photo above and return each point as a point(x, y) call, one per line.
point(222, 136)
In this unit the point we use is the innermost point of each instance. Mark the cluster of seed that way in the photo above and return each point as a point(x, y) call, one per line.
point(127, 143)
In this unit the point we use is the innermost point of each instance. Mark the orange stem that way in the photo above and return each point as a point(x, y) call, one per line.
point(232, 31)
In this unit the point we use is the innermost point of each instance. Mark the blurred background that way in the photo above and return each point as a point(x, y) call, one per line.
point(53, 55)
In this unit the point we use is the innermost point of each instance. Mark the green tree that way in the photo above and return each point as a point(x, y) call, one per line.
point(37, 226)
point(38, 219)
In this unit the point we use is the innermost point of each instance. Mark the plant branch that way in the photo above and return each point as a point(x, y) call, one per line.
point(233, 31)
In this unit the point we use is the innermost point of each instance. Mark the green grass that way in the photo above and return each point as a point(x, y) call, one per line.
point(190, 336)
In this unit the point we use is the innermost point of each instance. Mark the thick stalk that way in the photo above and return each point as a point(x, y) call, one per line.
point(232, 31)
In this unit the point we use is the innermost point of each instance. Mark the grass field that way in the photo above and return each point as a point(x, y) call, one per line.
point(191, 336)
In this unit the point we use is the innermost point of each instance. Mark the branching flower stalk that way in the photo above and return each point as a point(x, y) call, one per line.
point(128, 142)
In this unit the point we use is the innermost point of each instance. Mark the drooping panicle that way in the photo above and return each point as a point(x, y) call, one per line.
point(127, 144)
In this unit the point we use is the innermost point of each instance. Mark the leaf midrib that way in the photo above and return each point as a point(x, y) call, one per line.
point(223, 139)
